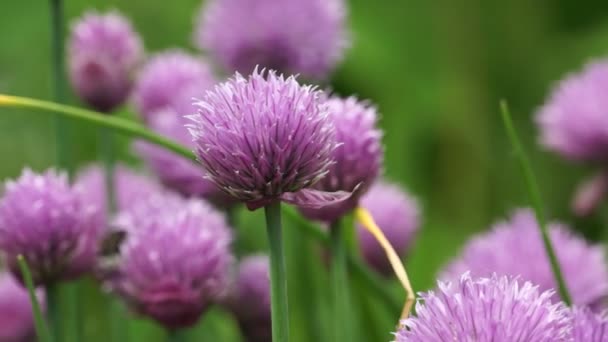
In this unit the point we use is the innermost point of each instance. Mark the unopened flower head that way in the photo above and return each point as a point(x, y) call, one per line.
point(291, 36)
point(515, 248)
point(175, 260)
point(498, 309)
point(266, 138)
point(249, 299)
point(49, 222)
point(358, 158)
point(16, 317)
point(130, 188)
point(573, 122)
point(589, 326)
point(397, 214)
point(165, 77)
point(103, 54)
point(176, 172)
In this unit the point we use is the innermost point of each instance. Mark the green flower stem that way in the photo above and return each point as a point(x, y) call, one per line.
point(535, 198)
point(372, 282)
point(176, 336)
point(42, 330)
point(58, 72)
point(127, 127)
point(340, 286)
point(53, 300)
point(278, 278)
point(130, 128)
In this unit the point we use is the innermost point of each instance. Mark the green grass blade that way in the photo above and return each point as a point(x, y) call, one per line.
point(537, 204)
point(42, 330)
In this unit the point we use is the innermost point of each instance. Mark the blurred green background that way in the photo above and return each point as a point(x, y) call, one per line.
point(436, 70)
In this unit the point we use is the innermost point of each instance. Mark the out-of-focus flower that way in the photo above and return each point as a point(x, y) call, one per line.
point(50, 223)
point(590, 194)
point(176, 172)
point(358, 159)
point(166, 77)
point(266, 138)
point(589, 326)
point(397, 214)
point(573, 122)
point(291, 36)
point(175, 259)
point(515, 248)
point(249, 299)
point(16, 317)
point(131, 188)
point(499, 309)
point(103, 54)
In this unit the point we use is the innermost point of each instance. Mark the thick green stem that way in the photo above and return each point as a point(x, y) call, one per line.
point(340, 287)
point(53, 300)
point(106, 151)
point(42, 330)
point(535, 198)
point(58, 72)
point(176, 336)
point(278, 278)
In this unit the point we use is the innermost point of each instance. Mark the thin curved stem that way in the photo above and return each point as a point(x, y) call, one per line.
point(535, 198)
point(42, 329)
point(121, 125)
point(367, 221)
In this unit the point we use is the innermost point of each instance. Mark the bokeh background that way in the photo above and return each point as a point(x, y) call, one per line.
point(436, 70)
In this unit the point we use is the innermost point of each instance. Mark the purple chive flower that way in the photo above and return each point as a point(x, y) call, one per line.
point(574, 122)
point(358, 159)
point(515, 248)
point(499, 309)
point(51, 224)
point(16, 317)
point(103, 54)
point(292, 36)
point(589, 326)
point(249, 299)
point(177, 173)
point(175, 259)
point(266, 138)
point(164, 79)
point(397, 214)
point(131, 188)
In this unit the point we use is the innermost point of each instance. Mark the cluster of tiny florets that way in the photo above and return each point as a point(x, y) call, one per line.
point(291, 36)
point(104, 53)
point(48, 221)
point(515, 248)
point(500, 309)
point(263, 138)
point(175, 260)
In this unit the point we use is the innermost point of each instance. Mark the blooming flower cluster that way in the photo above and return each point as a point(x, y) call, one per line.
point(104, 53)
point(48, 221)
point(266, 138)
point(515, 248)
point(357, 160)
point(291, 36)
point(487, 309)
point(175, 260)
point(262, 137)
